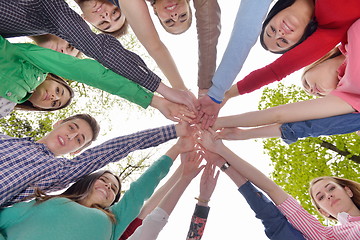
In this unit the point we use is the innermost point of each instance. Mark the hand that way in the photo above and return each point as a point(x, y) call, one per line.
point(179, 96)
point(214, 158)
point(208, 181)
point(207, 139)
point(191, 162)
point(184, 129)
point(208, 112)
point(231, 133)
point(172, 111)
point(185, 144)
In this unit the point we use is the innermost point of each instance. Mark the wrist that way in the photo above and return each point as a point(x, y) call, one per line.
point(215, 100)
point(202, 201)
point(225, 166)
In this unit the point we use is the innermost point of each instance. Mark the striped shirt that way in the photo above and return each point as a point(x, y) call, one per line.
point(34, 17)
point(25, 164)
point(312, 229)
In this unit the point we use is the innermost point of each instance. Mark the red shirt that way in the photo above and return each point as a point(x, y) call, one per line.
point(334, 18)
point(131, 228)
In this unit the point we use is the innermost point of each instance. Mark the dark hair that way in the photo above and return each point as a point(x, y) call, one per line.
point(343, 182)
point(166, 29)
point(118, 33)
point(80, 190)
point(94, 125)
point(279, 6)
point(28, 106)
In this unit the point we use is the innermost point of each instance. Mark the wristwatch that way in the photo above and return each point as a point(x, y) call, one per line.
point(225, 166)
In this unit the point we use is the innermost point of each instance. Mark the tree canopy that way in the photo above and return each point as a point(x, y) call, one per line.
point(295, 165)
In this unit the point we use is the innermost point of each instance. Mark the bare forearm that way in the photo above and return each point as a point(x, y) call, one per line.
point(155, 199)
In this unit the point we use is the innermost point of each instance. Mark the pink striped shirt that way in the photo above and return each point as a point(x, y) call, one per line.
point(312, 229)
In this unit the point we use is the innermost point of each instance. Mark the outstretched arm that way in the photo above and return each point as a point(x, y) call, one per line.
point(207, 185)
point(138, 16)
point(207, 140)
point(293, 112)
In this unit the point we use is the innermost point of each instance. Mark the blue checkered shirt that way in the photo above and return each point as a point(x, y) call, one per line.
point(34, 17)
point(25, 164)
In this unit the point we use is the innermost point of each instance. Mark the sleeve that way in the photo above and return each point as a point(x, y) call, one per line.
point(95, 158)
point(131, 228)
point(313, 48)
point(86, 71)
point(349, 85)
point(208, 30)
point(140, 190)
point(152, 225)
point(104, 48)
point(307, 224)
point(198, 222)
point(243, 38)
point(341, 124)
point(12, 215)
point(275, 223)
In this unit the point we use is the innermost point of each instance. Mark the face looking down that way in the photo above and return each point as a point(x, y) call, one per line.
point(174, 15)
point(102, 14)
point(50, 95)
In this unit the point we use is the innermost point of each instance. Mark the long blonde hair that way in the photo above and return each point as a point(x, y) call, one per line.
point(331, 54)
point(343, 182)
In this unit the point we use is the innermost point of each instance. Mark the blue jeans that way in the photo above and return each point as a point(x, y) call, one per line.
point(342, 124)
point(276, 225)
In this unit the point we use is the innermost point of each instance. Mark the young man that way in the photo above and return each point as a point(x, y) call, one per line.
point(26, 165)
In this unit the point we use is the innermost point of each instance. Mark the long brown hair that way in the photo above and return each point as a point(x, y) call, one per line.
point(343, 182)
point(28, 106)
point(80, 190)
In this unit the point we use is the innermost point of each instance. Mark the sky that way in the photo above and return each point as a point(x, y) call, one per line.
point(230, 216)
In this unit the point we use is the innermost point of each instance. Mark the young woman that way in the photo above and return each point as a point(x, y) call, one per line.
point(289, 22)
point(25, 66)
point(52, 94)
point(87, 210)
point(336, 199)
point(334, 78)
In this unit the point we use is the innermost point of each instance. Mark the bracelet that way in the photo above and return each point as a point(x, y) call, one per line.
point(225, 166)
point(217, 101)
point(202, 200)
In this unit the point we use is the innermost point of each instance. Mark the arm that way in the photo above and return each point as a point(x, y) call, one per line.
point(245, 169)
point(232, 133)
point(299, 111)
point(144, 186)
point(243, 38)
point(207, 185)
point(85, 71)
point(307, 52)
point(104, 48)
point(155, 199)
point(138, 16)
point(208, 27)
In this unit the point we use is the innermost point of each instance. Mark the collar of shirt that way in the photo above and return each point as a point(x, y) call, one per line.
point(345, 218)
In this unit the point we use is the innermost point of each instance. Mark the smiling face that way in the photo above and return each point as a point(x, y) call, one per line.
point(50, 95)
point(55, 43)
point(321, 79)
point(103, 191)
point(331, 198)
point(174, 15)
point(102, 14)
point(68, 137)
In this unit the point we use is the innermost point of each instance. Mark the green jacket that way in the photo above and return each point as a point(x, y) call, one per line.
point(61, 218)
point(24, 66)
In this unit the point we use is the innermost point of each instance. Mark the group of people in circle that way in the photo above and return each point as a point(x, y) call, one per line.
point(320, 35)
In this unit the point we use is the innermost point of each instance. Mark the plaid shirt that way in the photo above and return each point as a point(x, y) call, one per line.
point(25, 164)
point(34, 17)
